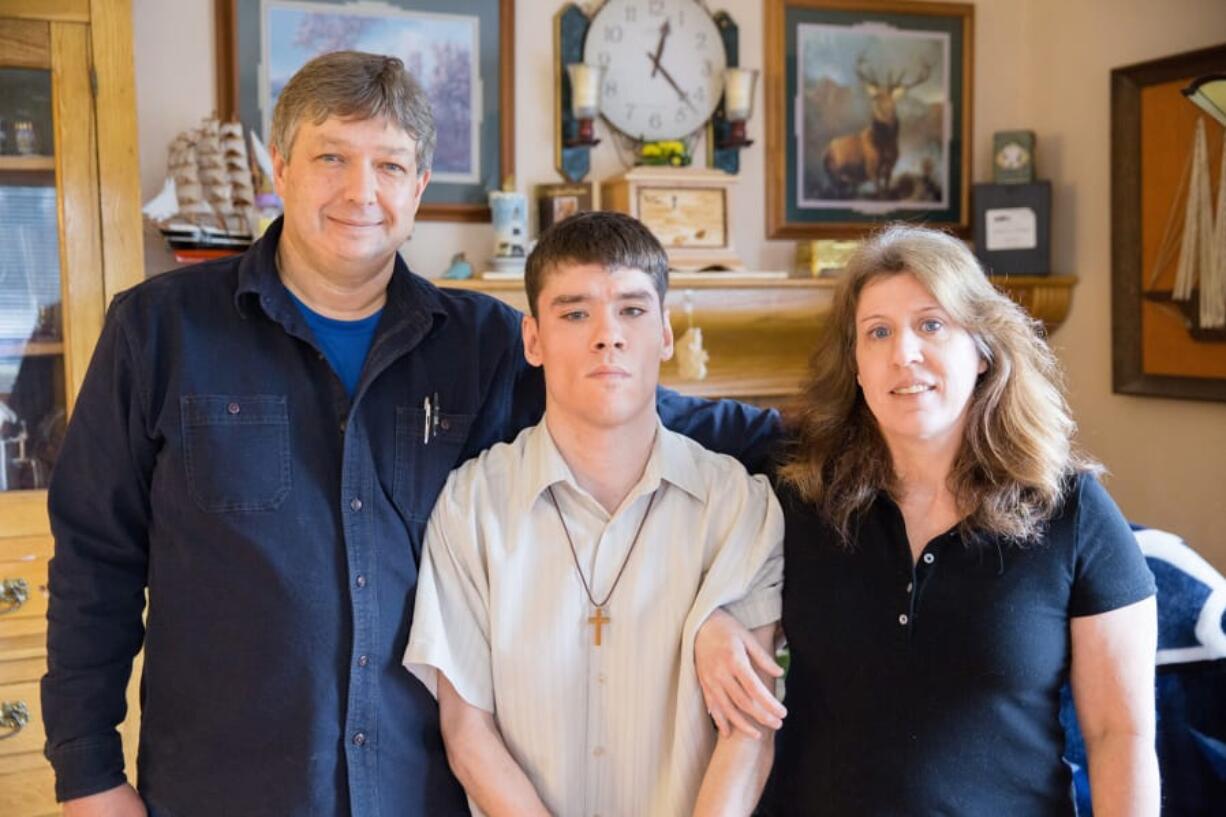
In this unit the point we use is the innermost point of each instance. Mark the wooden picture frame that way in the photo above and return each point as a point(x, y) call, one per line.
point(558, 201)
point(255, 54)
point(1154, 351)
point(917, 58)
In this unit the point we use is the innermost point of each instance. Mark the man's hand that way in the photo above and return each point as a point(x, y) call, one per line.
point(725, 654)
point(121, 801)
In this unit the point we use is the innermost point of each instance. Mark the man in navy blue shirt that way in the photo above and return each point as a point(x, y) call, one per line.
point(257, 445)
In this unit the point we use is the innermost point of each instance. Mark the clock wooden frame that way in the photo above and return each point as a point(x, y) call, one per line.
point(572, 156)
point(699, 240)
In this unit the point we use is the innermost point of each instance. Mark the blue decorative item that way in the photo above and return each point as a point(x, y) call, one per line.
point(459, 268)
point(510, 210)
point(1190, 683)
point(510, 223)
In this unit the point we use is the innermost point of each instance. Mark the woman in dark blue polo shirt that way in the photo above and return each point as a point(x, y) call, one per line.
point(951, 561)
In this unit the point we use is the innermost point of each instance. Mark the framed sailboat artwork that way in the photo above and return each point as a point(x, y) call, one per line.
point(1168, 231)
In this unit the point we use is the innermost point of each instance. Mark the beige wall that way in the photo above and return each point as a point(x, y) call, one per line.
point(1039, 64)
point(1167, 457)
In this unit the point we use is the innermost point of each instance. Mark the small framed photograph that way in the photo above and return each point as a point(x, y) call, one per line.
point(1013, 228)
point(557, 202)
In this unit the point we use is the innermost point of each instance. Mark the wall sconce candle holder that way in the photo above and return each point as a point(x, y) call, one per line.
point(584, 103)
point(726, 133)
point(739, 84)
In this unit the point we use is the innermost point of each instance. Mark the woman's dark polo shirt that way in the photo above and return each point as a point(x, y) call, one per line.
point(934, 687)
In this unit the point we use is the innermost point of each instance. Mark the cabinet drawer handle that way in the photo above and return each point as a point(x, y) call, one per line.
point(14, 715)
point(13, 594)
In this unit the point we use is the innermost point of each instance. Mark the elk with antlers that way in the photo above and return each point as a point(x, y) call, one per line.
point(871, 153)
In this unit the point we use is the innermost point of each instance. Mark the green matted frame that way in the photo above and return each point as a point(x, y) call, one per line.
point(785, 218)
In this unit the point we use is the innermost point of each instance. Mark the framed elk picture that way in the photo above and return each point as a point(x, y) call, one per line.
point(869, 101)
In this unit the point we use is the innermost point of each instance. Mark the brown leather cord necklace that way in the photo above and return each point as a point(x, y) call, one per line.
point(599, 619)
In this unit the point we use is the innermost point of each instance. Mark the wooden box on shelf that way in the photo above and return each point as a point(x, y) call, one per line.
point(686, 208)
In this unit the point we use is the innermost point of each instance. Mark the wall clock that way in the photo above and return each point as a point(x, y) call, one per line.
point(663, 66)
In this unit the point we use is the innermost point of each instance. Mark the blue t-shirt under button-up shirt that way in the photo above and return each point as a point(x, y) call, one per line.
point(344, 343)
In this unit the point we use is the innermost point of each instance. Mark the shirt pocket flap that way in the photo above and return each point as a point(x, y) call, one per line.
point(236, 451)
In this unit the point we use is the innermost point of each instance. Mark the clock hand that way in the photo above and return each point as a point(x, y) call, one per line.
point(656, 66)
point(664, 29)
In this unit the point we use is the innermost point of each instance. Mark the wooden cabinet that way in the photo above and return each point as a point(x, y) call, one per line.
point(69, 240)
point(760, 332)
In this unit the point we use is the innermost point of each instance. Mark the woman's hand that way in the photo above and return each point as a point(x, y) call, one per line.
point(725, 654)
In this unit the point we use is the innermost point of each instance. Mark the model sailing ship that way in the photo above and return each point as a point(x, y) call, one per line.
point(208, 201)
point(1199, 291)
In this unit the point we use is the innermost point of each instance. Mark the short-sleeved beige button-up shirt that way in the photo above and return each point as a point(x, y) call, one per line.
point(618, 730)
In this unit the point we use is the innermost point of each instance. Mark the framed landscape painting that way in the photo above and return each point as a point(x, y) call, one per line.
point(459, 50)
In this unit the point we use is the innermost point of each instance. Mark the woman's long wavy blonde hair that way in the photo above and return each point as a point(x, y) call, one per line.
point(1016, 455)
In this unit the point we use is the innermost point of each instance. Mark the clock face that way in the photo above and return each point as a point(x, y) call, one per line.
point(1013, 156)
point(683, 217)
point(664, 66)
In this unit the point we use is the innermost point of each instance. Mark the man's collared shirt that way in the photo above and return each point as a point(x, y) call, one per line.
point(615, 729)
point(215, 459)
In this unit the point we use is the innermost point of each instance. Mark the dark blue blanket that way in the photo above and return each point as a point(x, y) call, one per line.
point(1191, 683)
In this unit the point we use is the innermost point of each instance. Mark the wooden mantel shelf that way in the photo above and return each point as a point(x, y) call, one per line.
point(760, 331)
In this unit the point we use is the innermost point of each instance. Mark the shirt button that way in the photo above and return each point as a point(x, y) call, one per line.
point(359, 739)
point(356, 504)
point(233, 408)
point(910, 586)
point(361, 580)
point(598, 751)
point(902, 619)
point(929, 558)
point(600, 678)
point(343, 425)
point(363, 660)
point(445, 424)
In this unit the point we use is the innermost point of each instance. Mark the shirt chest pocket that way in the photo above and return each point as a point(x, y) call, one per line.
point(236, 451)
point(425, 455)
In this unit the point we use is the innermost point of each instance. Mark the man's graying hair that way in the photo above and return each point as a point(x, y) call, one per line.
point(614, 240)
point(359, 86)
